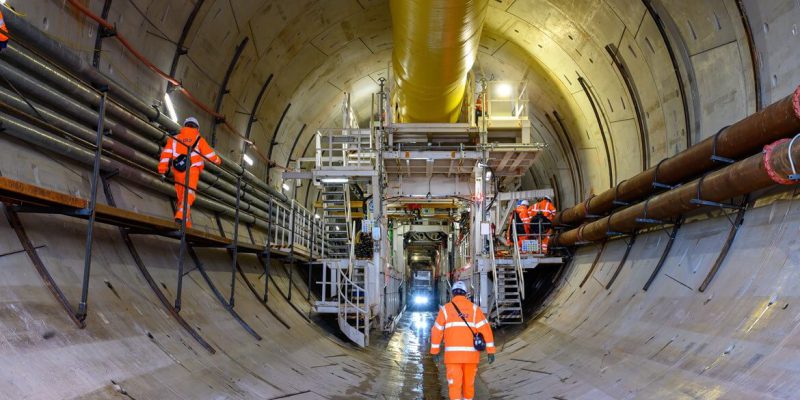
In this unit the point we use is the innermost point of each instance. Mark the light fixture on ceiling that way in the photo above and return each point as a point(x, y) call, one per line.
point(170, 107)
point(285, 186)
point(334, 180)
point(248, 160)
point(503, 90)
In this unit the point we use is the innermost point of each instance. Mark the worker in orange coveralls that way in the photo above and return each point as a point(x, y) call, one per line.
point(3, 30)
point(520, 217)
point(543, 208)
point(175, 154)
point(466, 333)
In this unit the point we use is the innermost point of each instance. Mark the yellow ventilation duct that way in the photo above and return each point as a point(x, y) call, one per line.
point(435, 45)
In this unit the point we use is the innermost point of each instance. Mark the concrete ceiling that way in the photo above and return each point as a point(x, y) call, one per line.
point(317, 50)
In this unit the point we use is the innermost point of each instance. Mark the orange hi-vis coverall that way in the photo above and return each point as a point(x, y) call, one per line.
point(460, 357)
point(521, 217)
point(548, 210)
point(179, 145)
point(3, 31)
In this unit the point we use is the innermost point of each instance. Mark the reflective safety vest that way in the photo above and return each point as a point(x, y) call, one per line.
point(3, 29)
point(458, 338)
point(543, 206)
point(179, 145)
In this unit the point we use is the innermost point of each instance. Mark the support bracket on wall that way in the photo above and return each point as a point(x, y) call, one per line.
point(672, 235)
point(656, 183)
point(630, 242)
point(714, 156)
point(594, 264)
point(617, 201)
point(735, 225)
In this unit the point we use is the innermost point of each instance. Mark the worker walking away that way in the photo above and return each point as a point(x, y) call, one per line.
point(175, 154)
point(3, 30)
point(466, 333)
point(521, 218)
point(541, 216)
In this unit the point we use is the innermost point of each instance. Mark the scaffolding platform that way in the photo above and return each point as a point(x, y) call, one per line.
point(529, 262)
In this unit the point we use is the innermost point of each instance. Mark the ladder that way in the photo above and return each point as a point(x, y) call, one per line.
point(335, 221)
point(509, 286)
point(508, 299)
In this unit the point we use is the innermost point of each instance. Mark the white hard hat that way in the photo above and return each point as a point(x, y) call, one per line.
point(525, 203)
point(460, 285)
point(548, 198)
point(192, 120)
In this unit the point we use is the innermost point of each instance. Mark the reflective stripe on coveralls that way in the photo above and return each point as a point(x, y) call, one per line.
point(179, 145)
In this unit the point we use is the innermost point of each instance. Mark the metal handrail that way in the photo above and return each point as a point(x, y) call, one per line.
point(333, 153)
point(346, 285)
point(518, 262)
point(494, 275)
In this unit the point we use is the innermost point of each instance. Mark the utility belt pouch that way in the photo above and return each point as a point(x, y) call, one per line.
point(181, 162)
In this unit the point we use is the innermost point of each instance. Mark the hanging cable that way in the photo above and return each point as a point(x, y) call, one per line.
point(794, 175)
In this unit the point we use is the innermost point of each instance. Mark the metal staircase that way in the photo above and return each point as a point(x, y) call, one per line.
point(509, 286)
point(335, 219)
point(353, 311)
point(508, 299)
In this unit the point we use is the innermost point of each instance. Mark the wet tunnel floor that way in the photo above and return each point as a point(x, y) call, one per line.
point(410, 372)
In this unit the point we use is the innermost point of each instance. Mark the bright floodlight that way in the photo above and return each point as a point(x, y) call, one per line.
point(334, 180)
point(285, 186)
point(420, 300)
point(248, 160)
point(170, 107)
point(503, 90)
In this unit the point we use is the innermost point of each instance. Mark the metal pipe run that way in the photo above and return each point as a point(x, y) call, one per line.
point(13, 105)
point(39, 138)
point(220, 188)
point(771, 167)
point(746, 137)
point(69, 61)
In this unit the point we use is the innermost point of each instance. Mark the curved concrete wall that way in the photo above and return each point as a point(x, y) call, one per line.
point(735, 340)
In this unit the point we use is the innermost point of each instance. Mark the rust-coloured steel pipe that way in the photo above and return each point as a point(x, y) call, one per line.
point(435, 46)
point(744, 138)
point(757, 172)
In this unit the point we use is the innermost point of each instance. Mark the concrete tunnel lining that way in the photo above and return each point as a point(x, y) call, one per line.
point(735, 340)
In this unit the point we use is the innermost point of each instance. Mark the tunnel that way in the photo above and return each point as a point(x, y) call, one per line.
point(665, 133)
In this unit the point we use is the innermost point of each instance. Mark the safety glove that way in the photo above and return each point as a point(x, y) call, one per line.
point(491, 358)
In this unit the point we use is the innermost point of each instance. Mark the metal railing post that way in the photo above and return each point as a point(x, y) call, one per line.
point(291, 252)
point(311, 252)
point(235, 244)
point(268, 249)
point(87, 257)
point(184, 245)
